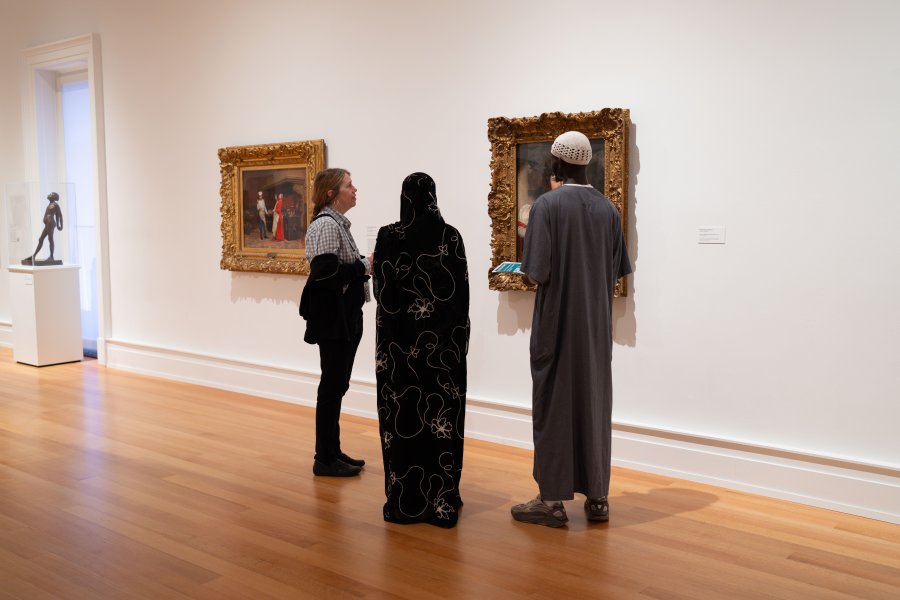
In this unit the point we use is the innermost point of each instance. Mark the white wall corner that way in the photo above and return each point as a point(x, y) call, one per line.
point(866, 490)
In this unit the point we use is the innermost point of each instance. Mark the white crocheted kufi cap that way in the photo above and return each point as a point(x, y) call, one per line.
point(572, 147)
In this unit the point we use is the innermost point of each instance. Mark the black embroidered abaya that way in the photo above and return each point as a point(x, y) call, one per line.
point(422, 324)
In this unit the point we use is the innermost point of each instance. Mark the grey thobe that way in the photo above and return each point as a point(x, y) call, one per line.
point(575, 251)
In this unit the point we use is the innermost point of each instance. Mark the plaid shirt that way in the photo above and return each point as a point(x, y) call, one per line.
point(332, 236)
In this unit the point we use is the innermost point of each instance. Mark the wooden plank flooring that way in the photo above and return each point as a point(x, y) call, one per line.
point(120, 486)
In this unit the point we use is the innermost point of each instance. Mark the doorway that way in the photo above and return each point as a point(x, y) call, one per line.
point(77, 169)
point(64, 142)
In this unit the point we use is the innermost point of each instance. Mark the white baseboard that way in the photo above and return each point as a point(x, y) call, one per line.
point(856, 488)
point(5, 334)
point(217, 372)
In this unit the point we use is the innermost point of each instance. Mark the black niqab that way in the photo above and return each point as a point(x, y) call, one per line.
point(422, 334)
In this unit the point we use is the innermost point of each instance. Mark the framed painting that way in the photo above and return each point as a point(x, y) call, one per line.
point(520, 172)
point(267, 205)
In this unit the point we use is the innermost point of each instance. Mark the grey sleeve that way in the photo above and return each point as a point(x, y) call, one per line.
point(538, 247)
point(621, 262)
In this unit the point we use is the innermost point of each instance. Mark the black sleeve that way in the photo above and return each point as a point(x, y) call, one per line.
point(329, 273)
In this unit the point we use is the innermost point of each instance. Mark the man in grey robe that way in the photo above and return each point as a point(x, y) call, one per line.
point(574, 251)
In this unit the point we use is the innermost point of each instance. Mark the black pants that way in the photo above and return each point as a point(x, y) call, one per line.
point(336, 359)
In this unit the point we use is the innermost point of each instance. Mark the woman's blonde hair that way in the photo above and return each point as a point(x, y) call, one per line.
point(327, 180)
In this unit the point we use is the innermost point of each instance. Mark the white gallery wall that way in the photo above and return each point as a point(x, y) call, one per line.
point(769, 363)
point(12, 38)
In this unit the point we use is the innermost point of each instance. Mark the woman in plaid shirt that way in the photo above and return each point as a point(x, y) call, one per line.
point(332, 306)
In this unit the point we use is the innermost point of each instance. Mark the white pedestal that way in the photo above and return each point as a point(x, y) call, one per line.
point(46, 314)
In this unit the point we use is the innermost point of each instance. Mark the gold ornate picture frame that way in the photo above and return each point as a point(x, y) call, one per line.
point(267, 205)
point(520, 172)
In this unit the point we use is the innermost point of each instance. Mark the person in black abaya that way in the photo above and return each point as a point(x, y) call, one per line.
point(422, 337)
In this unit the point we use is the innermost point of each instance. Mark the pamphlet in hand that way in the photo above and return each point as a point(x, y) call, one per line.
point(509, 267)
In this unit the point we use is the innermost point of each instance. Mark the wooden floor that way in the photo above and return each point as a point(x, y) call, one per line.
point(121, 486)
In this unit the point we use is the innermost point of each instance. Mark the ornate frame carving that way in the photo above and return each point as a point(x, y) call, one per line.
point(234, 161)
point(609, 124)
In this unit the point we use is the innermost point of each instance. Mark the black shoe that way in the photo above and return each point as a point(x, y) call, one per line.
point(538, 512)
point(356, 462)
point(338, 468)
point(597, 509)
